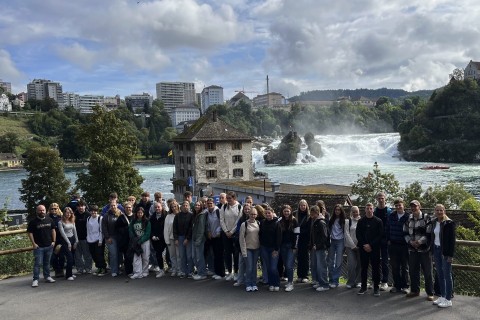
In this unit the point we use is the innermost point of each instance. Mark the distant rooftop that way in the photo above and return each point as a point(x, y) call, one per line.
point(290, 188)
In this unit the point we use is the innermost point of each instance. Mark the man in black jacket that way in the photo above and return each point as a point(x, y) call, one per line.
point(369, 235)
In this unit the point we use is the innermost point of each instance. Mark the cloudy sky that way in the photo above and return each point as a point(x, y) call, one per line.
point(122, 47)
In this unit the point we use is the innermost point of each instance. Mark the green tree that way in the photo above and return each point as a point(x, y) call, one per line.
point(45, 182)
point(113, 147)
point(367, 188)
point(69, 146)
point(8, 142)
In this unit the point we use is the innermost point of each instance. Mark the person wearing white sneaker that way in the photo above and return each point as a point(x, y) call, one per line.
point(443, 243)
point(199, 229)
point(41, 232)
point(250, 246)
point(229, 215)
point(69, 239)
point(157, 226)
point(290, 231)
point(319, 241)
point(139, 231)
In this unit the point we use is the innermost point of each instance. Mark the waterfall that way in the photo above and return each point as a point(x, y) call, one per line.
point(355, 148)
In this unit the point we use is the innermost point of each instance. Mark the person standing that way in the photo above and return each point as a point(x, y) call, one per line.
point(41, 232)
point(110, 235)
point(382, 212)
point(214, 239)
point(250, 247)
point(290, 230)
point(319, 244)
point(198, 240)
point(182, 232)
point(57, 260)
point(397, 247)
point(157, 222)
point(168, 235)
point(140, 229)
point(83, 258)
point(417, 232)
point(68, 232)
point(303, 217)
point(369, 234)
point(229, 215)
point(96, 245)
point(443, 243)
point(270, 241)
point(353, 253)
point(338, 232)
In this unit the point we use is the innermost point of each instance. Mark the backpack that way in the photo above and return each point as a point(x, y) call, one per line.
point(246, 225)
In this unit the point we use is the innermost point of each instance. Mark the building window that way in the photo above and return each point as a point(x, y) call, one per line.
point(210, 146)
point(189, 173)
point(182, 173)
point(182, 159)
point(210, 160)
point(188, 146)
point(189, 160)
point(238, 172)
point(180, 146)
point(237, 159)
point(236, 145)
point(211, 174)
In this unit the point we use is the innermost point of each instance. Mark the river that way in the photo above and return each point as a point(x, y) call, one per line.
point(345, 157)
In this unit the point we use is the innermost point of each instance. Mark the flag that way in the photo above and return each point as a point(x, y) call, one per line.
point(170, 153)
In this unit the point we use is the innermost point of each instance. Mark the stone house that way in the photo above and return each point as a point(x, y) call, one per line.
point(208, 151)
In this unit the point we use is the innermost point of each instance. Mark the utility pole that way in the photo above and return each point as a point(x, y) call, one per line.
point(268, 94)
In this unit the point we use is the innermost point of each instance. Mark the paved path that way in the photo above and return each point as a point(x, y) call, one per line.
point(90, 297)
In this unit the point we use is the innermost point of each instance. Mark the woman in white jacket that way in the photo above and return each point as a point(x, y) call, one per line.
point(174, 209)
point(353, 255)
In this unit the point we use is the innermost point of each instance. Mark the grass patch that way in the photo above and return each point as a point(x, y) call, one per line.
point(16, 125)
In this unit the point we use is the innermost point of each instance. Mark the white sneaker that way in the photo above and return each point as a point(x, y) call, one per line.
point(249, 289)
point(135, 276)
point(114, 274)
point(235, 277)
point(49, 280)
point(348, 286)
point(237, 284)
point(217, 277)
point(255, 288)
point(276, 289)
point(316, 286)
point(321, 289)
point(210, 273)
point(199, 277)
point(333, 285)
point(289, 287)
point(305, 280)
point(70, 278)
point(173, 274)
point(383, 286)
point(438, 301)
point(229, 277)
point(271, 288)
point(35, 283)
point(160, 274)
point(156, 269)
point(445, 304)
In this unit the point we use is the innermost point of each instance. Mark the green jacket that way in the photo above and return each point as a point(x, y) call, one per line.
point(135, 229)
point(199, 228)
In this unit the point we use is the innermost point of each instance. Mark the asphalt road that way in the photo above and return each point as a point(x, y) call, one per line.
point(90, 297)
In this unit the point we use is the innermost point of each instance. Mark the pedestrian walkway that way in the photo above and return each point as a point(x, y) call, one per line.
point(90, 297)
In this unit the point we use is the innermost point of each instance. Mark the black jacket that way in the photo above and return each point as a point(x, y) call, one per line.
point(157, 225)
point(319, 237)
point(270, 234)
point(369, 231)
point(447, 236)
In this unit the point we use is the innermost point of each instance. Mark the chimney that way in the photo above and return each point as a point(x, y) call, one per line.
point(214, 116)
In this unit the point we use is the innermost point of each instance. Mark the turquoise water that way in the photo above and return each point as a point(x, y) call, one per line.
point(345, 157)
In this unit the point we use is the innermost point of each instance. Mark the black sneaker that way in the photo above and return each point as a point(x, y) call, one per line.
point(362, 291)
point(376, 292)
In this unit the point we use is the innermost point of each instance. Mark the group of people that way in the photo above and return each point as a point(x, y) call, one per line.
point(232, 241)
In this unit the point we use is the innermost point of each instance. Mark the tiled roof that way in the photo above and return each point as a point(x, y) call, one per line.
point(208, 129)
point(8, 156)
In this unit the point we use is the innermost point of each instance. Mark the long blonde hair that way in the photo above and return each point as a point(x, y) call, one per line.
point(71, 219)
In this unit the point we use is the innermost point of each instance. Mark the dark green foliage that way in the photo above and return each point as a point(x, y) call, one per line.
point(447, 128)
point(8, 142)
point(45, 182)
point(113, 145)
point(332, 95)
point(69, 146)
point(367, 187)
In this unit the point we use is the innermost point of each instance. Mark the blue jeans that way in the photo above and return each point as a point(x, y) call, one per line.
point(251, 267)
point(186, 259)
point(199, 254)
point(335, 259)
point(271, 262)
point(42, 257)
point(444, 273)
point(320, 264)
point(241, 269)
point(288, 258)
point(113, 255)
